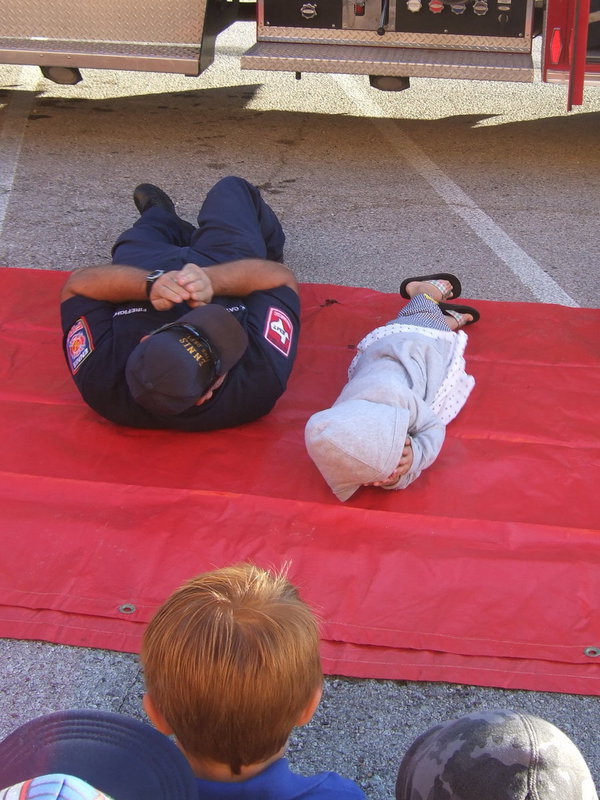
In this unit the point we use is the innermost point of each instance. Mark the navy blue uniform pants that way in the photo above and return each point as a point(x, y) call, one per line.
point(233, 222)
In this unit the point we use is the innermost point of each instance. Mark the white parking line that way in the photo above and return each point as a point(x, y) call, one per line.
point(14, 121)
point(525, 268)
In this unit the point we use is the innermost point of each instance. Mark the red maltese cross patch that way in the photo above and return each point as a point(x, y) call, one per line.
point(79, 344)
point(279, 330)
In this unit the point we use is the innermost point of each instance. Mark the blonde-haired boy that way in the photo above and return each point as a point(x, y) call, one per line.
point(231, 665)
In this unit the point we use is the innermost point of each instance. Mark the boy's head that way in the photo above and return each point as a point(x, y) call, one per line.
point(231, 664)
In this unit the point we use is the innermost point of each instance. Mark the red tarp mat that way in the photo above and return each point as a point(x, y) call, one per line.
point(485, 571)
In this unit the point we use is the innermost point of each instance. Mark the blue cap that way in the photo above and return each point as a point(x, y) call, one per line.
point(121, 757)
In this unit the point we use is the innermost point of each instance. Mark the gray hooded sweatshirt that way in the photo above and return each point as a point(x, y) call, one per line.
point(395, 378)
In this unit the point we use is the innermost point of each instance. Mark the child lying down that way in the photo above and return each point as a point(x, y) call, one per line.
point(405, 384)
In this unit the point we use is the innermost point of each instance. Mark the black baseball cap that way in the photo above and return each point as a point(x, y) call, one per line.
point(121, 757)
point(173, 367)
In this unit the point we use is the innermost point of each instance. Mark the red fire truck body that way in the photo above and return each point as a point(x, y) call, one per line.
point(389, 40)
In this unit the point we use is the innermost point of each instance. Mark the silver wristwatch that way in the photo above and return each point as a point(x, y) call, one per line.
point(153, 276)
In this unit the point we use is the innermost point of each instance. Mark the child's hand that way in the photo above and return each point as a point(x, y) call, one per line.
point(406, 459)
point(405, 463)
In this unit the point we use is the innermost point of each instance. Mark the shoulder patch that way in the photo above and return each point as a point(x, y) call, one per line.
point(78, 344)
point(279, 330)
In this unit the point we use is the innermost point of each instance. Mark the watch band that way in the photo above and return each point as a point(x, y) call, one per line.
point(153, 276)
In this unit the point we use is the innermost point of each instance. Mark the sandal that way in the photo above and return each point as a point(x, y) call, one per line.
point(456, 310)
point(439, 276)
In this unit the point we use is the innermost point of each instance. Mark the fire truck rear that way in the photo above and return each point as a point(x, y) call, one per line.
point(391, 41)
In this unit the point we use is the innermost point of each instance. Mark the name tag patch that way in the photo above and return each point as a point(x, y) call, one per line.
point(279, 330)
point(79, 344)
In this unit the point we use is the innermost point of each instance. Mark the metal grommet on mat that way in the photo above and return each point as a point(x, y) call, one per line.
point(127, 608)
point(592, 652)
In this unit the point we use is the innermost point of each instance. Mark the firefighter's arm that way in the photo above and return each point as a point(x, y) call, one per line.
point(116, 283)
point(240, 278)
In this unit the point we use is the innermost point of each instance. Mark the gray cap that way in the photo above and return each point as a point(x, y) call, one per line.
point(496, 755)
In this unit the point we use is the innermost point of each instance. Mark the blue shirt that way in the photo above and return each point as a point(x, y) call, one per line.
point(278, 782)
point(99, 336)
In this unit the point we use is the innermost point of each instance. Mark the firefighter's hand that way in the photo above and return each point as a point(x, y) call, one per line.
point(168, 290)
point(197, 283)
point(190, 284)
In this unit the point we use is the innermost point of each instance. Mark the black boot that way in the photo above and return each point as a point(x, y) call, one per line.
point(146, 196)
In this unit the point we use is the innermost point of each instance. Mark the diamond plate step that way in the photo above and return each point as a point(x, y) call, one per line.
point(412, 62)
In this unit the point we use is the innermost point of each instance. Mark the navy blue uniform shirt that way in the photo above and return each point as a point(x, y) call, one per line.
point(99, 336)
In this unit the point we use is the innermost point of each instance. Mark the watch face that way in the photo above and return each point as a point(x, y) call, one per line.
point(151, 278)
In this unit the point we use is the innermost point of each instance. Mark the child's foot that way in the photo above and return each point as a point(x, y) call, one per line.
point(457, 316)
point(436, 289)
point(434, 279)
point(454, 320)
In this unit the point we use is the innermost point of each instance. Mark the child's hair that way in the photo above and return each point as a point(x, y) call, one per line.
point(231, 660)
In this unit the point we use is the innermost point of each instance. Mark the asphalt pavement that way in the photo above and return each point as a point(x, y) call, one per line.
point(492, 181)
